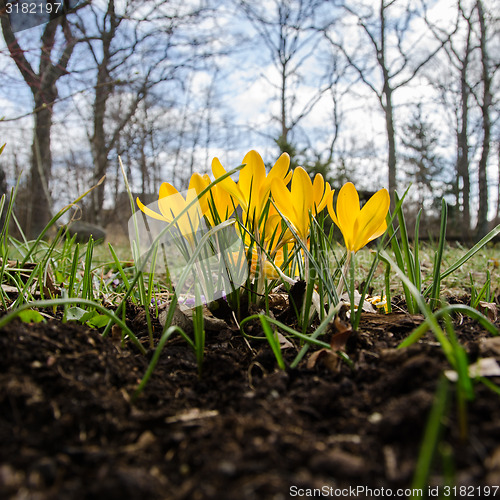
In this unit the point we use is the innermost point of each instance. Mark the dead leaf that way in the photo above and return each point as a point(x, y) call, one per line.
point(191, 415)
point(278, 300)
point(183, 318)
point(325, 357)
point(116, 334)
point(343, 332)
point(284, 342)
point(145, 441)
point(483, 367)
point(489, 309)
point(10, 263)
point(10, 289)
point(367, 307)
point(491, 343)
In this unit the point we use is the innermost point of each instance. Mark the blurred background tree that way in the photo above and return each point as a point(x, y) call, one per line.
point(379, 94)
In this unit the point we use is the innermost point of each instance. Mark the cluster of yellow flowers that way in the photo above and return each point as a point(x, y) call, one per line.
point(253, 193)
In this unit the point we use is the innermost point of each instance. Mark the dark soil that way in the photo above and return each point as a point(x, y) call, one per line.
point(244, 430)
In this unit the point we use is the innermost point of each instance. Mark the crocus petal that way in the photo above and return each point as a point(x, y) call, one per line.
point(379, 232)
point(228, 184)
point(273, 231)
point(302, 200)
point(321, 191)
point(271, 228)
point(371, 219)
point(326, 195)
point(166, 189)
point(318, 186)
point(150, 212)
point(168, 201)
point(347, 212)
point(199, 183)
point(223, 202)
point(331, 211)
point(252, 176)
point(194, 212)
point(280, 169)
point(269, 270)
point(282, 198)
point(171, 206)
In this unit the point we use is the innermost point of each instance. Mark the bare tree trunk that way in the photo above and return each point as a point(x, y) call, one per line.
point(497, 217)
point(112, 56)
point(460, 58)
point(391, 137)
point(98, 141)
point(283, 98)
point(463, 145)
point(44, 90)
point(482, 215)
point(387, 105)
point(103, 90)
point(39, 211)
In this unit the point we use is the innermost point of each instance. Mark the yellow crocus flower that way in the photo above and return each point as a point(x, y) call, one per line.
point(254, 186)
point(303, 198)
point(216, 200)
point(270, 272)
point(171, 203)
point(359, 226)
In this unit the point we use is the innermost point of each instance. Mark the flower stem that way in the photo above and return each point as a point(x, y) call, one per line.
point(260, 259)
point(343, 276)
point(306, 263)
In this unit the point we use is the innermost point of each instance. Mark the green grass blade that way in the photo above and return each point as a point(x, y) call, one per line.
point(156, 356)
point(427, 312)
point(416, 256)
point(4, 320)
point(462, 362)
point(87, 281)
point(309, 339)
point(189, 266)
point(459, 308)
point(490, 385)
point(400, 262)
point(273, 342)
point(119, 266)
point(436, 273)
point(405, 244)
point(55, 219)
point(460, 262)
point(431, 435)
point(199, 330)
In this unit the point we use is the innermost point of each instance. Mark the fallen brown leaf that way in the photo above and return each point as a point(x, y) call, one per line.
point(343, 332)
point(324, 357)
point(489, 309)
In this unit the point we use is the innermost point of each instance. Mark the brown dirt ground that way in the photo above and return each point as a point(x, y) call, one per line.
point(245, 430)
